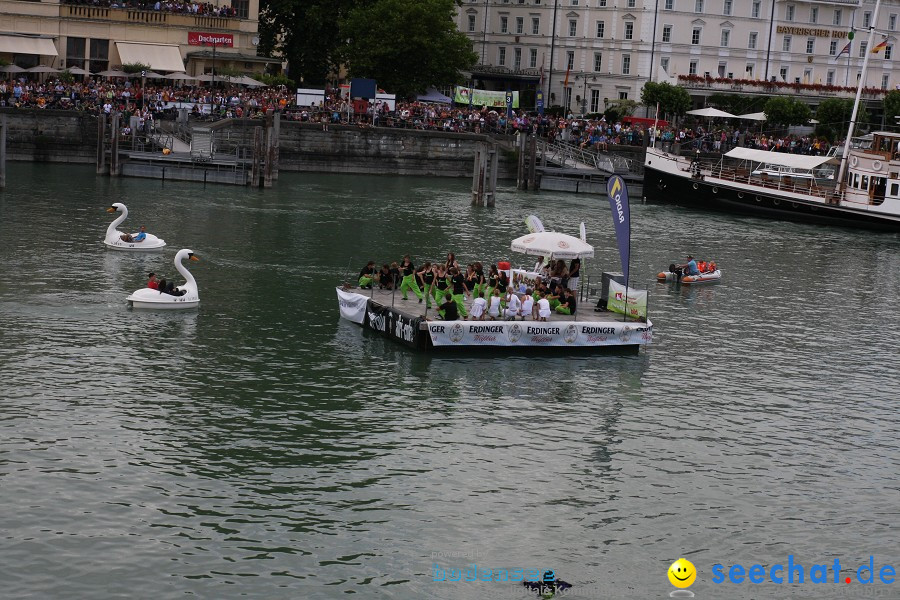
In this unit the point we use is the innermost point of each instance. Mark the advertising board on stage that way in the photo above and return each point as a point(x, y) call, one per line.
point(538, 334)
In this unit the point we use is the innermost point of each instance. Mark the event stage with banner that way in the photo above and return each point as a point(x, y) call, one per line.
point(413, 326)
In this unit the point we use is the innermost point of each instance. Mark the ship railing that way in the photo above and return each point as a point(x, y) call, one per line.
point(797, 185)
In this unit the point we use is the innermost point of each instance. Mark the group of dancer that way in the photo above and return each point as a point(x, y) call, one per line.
point(494, 295)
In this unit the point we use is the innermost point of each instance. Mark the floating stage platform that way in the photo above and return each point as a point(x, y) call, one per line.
point(412, 324)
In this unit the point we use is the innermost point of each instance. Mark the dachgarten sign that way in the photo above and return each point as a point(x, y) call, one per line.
point(198, 38)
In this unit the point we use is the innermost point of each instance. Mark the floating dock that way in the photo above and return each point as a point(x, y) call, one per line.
point(414, 325)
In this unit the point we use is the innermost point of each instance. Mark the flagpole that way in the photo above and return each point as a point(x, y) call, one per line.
point(859, 87)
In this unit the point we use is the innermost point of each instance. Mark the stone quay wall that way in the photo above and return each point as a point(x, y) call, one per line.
point(62, 136)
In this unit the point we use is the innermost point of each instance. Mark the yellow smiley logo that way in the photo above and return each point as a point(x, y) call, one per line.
point(682, 573)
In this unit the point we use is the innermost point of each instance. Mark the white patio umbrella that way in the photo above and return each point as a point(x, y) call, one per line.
point(78, 71)
point(711, 113)
point(113, 73)
point(42, 69)
point(757, 116)
point(180, 77)
point(248, 81)
point(552, 243)
point(12, 69)
point(149, 75)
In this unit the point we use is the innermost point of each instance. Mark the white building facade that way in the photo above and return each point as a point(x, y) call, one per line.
point(603, 50)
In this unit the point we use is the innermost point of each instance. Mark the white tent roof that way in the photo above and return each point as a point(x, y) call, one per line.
point(163, 57)
point(796, 161)
point(710, 112)
point(757, 116)
point(552, 243)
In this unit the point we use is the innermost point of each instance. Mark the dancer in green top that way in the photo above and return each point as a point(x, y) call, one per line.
point(408, 269)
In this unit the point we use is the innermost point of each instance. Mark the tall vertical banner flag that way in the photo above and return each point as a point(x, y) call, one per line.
point(509, 103)
point(539, 102)
point(618, 202)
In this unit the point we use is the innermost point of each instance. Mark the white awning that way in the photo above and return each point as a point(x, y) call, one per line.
point(27, 44)
point(160, 57)
point(797, 161)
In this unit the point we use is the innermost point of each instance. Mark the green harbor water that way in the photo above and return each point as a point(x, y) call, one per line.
point(260, 447)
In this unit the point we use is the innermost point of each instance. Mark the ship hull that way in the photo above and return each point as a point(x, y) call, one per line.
point(664, 187)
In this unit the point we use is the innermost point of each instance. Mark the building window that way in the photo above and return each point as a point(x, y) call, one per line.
point(99, 55)
point(570, 59)
point(532, 58)
point(517, 58)
point(698, 6)
point(862, 49)
point(574, 2)
point(75, 48)
point(695, 37)
point(884, 81)
point(520, 25)
point(664, 63)
point(667, 34)
point(789, 12)
point(601, 29)
point(814, 14)
point(829, 78)
point(888, 52)
point(626, 64)
point(783, 72)
point(573, 28)
point(601, 3)
point(535, 25)
point(810, 45)
point(726, 8)
point(786, 44)
point(629, 30)
point(692, 68)
point(892, 22)
point(630, 4)
point(501, 58)
point(751, 42)
point(241, 8)
point(726, 33)
point(471, 22)
point(749, 70)
point(623, 95)
point(504, 24)
point(837, 17)
point(723, 66)
point(598, 62)
point(867, 19)
point(669, 5)
point(807, 76)
point(595, 101)
point(754, 10)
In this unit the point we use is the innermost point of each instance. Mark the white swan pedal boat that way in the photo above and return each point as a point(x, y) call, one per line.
point(155, 299)
point(114, 236)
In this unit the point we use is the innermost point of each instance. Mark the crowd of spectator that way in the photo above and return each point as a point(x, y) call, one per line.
point(161, 101)
point(190, 8)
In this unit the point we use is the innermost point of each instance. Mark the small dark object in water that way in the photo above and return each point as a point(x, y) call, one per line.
point(548, 586)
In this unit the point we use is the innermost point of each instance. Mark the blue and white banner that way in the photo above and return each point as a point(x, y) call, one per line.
point(618, 201)
point(538, 334)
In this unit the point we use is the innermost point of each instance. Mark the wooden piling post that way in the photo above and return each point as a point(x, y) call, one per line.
point(257, 156)
point(114, 146)
point(521, 182)
point(478, 176)
point(3, 128)
point(492, 181)
point(532, 162)
point(269, 151)
point(101, 144)
point(276, 132)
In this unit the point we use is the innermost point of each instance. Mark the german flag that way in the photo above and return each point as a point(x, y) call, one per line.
point(880, 46)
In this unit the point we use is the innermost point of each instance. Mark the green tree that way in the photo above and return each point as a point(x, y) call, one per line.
point(135, 67)
point(618, 109)
point(305, 33)
point(834, 115)
point(672, 99)
point(785, 111)
point(892, 108)
point(736, 104)
point(406, 45)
